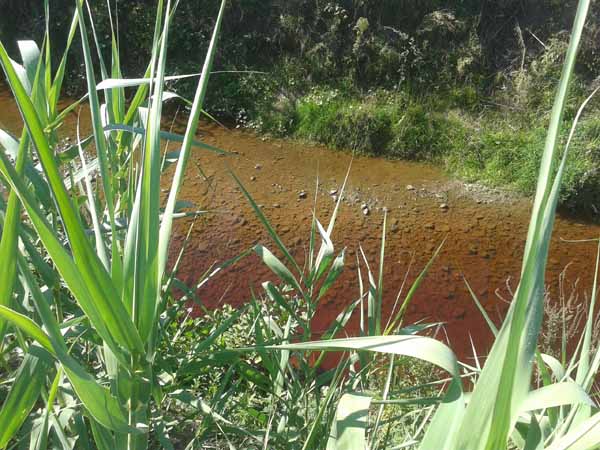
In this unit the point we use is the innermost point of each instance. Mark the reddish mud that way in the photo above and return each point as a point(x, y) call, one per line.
point(484, 231)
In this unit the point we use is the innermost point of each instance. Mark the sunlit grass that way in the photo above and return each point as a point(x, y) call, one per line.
point(86, 301)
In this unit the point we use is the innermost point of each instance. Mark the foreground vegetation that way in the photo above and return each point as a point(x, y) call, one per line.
point(96, 351)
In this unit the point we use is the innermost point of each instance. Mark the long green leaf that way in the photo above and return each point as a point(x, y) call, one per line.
point(22, 397)
point(273, 263)
point(585, 436)
point(348, 430)
point(54, 92)
point(190, 132)
point(557, 394)
point(421, 347)
point(504, 381)
point(99, 138)
point(9, 240)
point(164, 135)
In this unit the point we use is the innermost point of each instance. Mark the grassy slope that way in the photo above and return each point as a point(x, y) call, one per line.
point(498, 146)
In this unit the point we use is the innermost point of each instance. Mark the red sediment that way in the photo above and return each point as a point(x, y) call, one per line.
point(485, 232)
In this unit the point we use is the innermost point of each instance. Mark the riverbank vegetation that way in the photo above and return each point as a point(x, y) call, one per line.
point(98, 348)
point(463, 84)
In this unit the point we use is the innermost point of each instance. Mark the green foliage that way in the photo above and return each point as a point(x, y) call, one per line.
point(442, 73)
point(124, 365)
point(383, 123)
point(364, 127)
point(425, 134)
point(502, 153)
point(119, 298)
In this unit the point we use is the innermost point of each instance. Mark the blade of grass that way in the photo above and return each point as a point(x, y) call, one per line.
point(266, 224)
point(396, 320)
point(505, 377)
point(190, 132)
point(22, 397)
point(348, 431)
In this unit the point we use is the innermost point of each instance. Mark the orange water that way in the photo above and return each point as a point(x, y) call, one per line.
point(485, 232)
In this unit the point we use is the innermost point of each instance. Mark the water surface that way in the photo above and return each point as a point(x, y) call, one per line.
point(483, 231)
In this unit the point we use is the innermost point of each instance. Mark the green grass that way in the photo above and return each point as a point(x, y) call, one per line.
point(495, 148)
point(96, 352)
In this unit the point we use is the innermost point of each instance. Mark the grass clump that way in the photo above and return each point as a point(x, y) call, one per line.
point(504, 154)
point(365, 127)
point(382, 123)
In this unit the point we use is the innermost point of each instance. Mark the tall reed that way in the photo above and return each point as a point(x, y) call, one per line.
point(103, 241)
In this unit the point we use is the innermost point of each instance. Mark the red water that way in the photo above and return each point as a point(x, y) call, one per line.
point(484, 231)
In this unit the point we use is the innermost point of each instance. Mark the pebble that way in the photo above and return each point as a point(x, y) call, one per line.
point(253, 178)
point(459, 313)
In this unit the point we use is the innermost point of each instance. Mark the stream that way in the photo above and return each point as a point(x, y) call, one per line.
point(483, 231)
